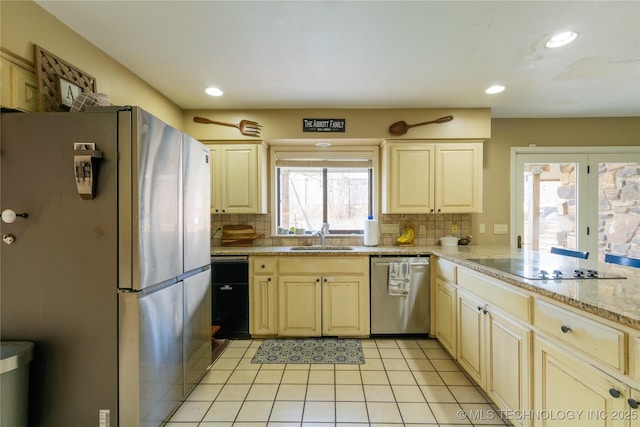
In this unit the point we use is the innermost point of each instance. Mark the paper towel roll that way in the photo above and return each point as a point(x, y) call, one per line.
point(371, 232)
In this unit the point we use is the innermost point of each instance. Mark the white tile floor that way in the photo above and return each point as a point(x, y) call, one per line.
point(402, 382)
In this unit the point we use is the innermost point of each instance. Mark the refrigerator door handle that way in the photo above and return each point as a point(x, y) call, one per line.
point(85, 165)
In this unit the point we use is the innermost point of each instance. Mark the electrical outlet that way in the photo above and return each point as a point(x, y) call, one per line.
point(454, 228)
point(482, 228)
point(500, 229)
point(423, 230)
point(391, 228)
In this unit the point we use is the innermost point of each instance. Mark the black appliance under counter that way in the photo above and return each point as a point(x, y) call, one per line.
point(230, 296)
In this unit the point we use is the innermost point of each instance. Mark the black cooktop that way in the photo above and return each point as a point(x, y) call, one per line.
point(542, 266)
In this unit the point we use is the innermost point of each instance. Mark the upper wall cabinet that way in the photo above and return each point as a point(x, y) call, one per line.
point(238, 178)
point(426, 177)
point(18, 87)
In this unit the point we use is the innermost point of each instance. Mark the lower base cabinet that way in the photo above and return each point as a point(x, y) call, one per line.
point(309, 296)
point(570, 392)
point(494, 350)
point(299, 306)
point(446, 319)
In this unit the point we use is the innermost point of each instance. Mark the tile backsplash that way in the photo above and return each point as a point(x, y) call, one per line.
point(429, 229)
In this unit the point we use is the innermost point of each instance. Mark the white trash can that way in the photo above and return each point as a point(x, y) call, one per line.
point(14, 376)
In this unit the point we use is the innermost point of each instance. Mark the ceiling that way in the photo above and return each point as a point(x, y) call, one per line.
point(375, 54)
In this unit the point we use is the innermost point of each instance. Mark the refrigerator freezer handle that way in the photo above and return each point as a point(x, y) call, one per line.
point(85, 165)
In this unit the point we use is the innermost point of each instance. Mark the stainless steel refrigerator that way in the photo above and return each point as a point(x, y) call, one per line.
point(105, 263)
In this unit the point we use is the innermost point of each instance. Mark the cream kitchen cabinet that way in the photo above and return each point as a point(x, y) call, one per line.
point(263, 297)
point(323, 296)
point(425, 177)
point(494, 340)
point(445, 303)
point(566, 383)
point(18, 87)
point(238, 178)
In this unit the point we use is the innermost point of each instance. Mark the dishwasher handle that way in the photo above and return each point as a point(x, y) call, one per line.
point(412, 264)
point(229, 259)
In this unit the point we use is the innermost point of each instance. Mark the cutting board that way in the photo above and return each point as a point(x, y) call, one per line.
point(239, 235)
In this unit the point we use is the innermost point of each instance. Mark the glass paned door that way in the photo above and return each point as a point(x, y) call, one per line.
point(618, 205)
point(548, 211)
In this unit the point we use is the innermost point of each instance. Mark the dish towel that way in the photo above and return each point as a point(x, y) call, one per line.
point(398, 281)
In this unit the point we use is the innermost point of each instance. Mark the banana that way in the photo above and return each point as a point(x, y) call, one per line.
point(406, 236)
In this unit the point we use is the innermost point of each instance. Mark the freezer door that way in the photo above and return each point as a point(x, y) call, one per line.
point(197, 206)
point(151, 361)
point(150, 200)
point(197, 328)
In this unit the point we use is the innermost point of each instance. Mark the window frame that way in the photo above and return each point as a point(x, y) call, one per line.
point(337, 153)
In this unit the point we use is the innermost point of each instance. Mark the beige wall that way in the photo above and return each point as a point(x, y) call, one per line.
point(507, 133)
point(24, 24)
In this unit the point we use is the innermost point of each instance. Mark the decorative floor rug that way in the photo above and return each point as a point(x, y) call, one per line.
point(310, 350)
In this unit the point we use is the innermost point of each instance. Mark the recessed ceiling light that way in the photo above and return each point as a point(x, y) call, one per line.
point(323, 144)
point(561, 39)
point(494, 89)
point(213, 91)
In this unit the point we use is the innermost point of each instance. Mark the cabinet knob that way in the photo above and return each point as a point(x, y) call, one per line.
point(439, 210)
point(317, 280)
point(565, 329)
point(614, 393)
point(269, 279)
point(479, 308)
point(633, 403)
point(431, 210)
point(262, 266)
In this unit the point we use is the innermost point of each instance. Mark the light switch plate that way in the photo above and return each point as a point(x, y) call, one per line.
point(500, 229)
point(482, 228)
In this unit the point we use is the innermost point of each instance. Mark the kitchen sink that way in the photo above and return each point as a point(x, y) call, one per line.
point(321, 248)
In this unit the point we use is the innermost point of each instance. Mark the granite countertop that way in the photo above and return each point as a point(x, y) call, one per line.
point(617, 300)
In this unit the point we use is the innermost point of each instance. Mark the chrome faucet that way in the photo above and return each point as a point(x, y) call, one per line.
point(322, 233)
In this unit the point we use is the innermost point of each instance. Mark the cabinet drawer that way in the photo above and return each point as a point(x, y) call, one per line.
point(505, 298)
point(264, 265)
point(447, 270)
point(323, 265)
point(598, 340)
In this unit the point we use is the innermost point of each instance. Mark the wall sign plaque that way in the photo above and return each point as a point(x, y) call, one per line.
point(323, 125)
point(68, 92)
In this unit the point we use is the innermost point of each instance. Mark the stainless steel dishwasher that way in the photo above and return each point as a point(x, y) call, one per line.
point(400, 314)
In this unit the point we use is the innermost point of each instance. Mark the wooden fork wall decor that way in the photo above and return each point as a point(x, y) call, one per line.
point(246, 127)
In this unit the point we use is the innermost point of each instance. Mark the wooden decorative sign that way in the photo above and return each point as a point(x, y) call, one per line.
point(59, 82)
point(323, 125)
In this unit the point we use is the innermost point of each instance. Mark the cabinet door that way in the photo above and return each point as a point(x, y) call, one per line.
point(458, 177)
point(263, 306)
point(471, 349)
point(238, 189)
point(215, 176)
point(509, 365)
point(410, 186)
point(299, 306)
point(446, 319)
point(564, 383)
point(342, 306)
point(632, 408)
point(18, 87)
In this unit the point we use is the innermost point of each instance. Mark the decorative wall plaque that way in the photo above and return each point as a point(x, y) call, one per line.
point(323, 125)
point(50, 71)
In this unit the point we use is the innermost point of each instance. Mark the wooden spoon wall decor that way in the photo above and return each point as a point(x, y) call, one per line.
point(401, 127)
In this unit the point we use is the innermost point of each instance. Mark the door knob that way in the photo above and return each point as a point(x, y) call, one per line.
point(9, 215)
